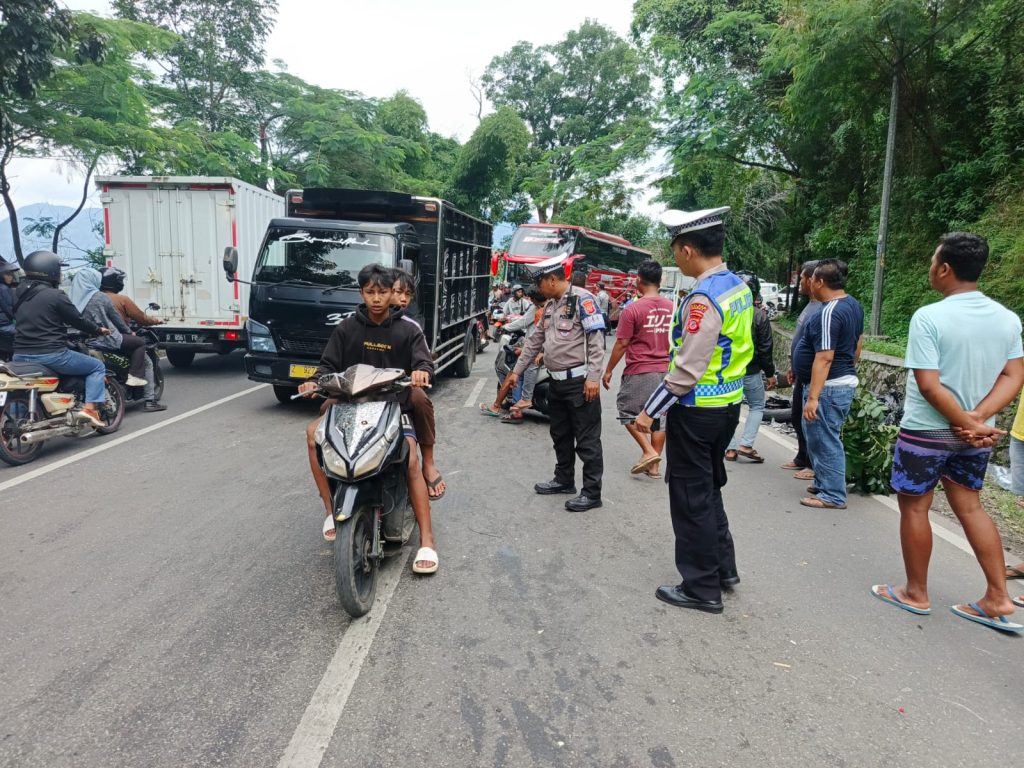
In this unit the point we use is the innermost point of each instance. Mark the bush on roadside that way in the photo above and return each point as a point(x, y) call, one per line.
point(868, 442)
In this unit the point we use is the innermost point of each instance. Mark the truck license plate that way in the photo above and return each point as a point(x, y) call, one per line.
point(301, 371)
point(184, 338)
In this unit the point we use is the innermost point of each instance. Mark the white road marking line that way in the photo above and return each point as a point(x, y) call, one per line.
point(471, 400)
point(315, 729)
point(941, 531)
point(106, 446)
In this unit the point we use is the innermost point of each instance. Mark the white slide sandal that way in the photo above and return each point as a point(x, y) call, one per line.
point(428, 555)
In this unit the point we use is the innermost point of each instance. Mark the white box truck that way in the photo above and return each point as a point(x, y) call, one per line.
point(168, 233)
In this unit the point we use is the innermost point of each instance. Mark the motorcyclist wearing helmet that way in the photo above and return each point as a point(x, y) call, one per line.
point(42, 313)
point(518, 305)
point(753, 385)
point(112, 283)
point(8, 282)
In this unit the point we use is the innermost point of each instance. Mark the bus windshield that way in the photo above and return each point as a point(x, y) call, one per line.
point(542, 242)
point(322, 257)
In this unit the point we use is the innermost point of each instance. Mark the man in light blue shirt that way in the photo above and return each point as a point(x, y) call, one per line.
point(966, 365)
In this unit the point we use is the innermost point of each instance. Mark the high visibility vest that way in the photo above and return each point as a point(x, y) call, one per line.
point(722, 382)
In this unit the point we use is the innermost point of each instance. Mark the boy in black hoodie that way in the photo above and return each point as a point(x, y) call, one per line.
point(380, 335)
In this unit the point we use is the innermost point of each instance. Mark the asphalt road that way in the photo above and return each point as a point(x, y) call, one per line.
point(168, 601)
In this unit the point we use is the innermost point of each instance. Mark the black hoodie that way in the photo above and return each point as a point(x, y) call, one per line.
point(41, 319)
point(398, 342)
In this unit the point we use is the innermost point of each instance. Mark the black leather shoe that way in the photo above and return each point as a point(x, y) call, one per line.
point(582, 503)
point(553, 486)
point(728, 579)
point(674, 595)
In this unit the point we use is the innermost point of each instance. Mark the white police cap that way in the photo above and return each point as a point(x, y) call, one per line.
point(546, 267)
point(680, 222)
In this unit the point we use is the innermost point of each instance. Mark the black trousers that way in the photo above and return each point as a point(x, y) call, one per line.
point(576, 428)
point(796, 419)
point(135, 348)
point(696, 439)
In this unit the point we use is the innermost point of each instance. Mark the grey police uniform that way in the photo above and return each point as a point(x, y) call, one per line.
point(570, 334)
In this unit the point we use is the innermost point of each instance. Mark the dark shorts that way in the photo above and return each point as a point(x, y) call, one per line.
point(634, 391)
point(923, 457)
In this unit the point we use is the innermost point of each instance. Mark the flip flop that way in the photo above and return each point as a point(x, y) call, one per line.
point(644, 464)
point(1012, 572)
point(1018, 601)
point(805, 474)
point(485, 409)
point(791, 465)
point(752, 456)
point(996, 622)
point(514, 416)
point(432, 486)
point(819, 504)
point(730, 455)
point(330, 533)
point(655, 475)
point(891, 598)
point(430, 556)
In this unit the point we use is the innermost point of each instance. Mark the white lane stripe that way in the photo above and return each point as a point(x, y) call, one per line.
point(106, 446)
point(315, 729)
point(942, 532)
point(471, 400)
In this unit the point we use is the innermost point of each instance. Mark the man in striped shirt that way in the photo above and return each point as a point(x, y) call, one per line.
point(826, 357)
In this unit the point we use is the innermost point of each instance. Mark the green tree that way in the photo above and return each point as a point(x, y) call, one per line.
point(586, 101)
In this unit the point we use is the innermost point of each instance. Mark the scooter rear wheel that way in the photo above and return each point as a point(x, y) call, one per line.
point(355, 568)
point(11, 450)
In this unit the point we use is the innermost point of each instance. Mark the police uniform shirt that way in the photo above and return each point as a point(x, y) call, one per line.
point(698, 337)
point(569, 338)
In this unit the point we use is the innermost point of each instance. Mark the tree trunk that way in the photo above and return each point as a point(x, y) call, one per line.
point(12, 212)
point(85, 195)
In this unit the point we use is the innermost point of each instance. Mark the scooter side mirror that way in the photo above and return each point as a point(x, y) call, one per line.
point(153, 306)
point(230, 263)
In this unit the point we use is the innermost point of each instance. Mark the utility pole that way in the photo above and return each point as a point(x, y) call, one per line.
point(883, 223)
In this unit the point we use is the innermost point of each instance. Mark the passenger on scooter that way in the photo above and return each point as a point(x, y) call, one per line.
point(380, 335)
point(524, 390)
point(42, 313)
point(112, 283)
point(518, 305)
point(403, 292)
point(97, 306)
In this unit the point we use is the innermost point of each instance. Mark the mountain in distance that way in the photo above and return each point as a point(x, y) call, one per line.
point(78, 237)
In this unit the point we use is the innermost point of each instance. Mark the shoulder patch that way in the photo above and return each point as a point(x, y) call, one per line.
point(588, 305)
point(695, 315)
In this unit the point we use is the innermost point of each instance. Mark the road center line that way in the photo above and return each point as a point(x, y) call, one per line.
point(315, 729)
point(471, 400)
point(106, 446)
point(941, 531)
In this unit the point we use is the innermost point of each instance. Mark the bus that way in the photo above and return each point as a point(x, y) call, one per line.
point(605, 258)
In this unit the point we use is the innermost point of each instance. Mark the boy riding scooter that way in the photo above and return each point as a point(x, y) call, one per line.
point(380, 335)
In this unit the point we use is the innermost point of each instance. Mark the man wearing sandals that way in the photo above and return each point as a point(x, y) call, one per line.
point(711, 346)
point(642, 336)
point(754, 385)
point(965, 357)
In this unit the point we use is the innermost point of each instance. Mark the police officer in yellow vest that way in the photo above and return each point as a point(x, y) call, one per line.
point(711, 346)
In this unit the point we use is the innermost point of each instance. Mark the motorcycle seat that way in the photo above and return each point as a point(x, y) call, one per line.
point(26, 369)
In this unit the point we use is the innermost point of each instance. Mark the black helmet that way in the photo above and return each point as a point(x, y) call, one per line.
point(43, 266)
point(752, 283)
point(112, 280)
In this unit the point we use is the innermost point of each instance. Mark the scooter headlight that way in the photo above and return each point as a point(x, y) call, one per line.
point(333, 460)
point(373, 457)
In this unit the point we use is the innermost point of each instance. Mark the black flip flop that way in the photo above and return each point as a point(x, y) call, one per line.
point(752, 456)
point(1017, 572)
point(432, 486)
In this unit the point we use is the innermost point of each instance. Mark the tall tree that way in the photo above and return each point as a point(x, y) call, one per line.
point(587, 103)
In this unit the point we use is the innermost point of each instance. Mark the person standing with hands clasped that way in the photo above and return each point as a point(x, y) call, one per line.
point(571, 336)
point(712, 345)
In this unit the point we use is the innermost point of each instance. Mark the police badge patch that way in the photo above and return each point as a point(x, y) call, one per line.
point(695, 316)
point(590, 316)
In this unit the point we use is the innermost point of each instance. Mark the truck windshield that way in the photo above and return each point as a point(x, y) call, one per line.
point(324, 257)
point(545, 242)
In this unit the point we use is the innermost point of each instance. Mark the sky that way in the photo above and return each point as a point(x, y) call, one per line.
point(430, 49)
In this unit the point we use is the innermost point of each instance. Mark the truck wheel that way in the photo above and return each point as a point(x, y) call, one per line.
point(463, 367)
point(180, 359)
point(284, 394)
point(355, 568)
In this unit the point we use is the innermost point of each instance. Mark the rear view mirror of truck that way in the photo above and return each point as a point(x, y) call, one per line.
point(230, 262)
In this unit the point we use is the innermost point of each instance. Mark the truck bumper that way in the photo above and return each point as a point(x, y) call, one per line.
point(208, 340)
point(278, 370)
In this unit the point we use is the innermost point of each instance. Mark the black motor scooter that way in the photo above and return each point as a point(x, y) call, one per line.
point(117, 364)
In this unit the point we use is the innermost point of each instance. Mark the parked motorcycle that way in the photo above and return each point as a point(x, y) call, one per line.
point(118, 364)
point(362, 450)
point(509, 345)
point(37, 404)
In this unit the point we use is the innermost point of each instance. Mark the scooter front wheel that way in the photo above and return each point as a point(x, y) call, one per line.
point(355, 563)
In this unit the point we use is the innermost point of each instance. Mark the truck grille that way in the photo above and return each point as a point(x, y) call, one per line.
point(298, 345)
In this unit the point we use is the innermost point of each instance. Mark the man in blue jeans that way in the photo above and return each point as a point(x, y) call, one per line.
point(753, 384)
point(826, 358)
point(42, 313)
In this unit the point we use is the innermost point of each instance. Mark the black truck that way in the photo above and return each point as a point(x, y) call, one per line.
point(304, 281)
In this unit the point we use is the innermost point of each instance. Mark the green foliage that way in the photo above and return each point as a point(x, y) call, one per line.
point(868, 442)
point(31, 31)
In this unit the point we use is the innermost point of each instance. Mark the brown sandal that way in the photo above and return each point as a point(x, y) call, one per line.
point(819, 504)
point(730, 455)
point(751, 455)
